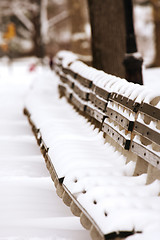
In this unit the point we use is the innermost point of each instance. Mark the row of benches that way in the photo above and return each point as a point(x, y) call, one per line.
point(128, 113)
point(92, 158)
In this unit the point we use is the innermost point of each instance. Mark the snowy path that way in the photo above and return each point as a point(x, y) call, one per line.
point(29, 206)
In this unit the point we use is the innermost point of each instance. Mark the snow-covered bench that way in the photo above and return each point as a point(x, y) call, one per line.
point(114, 103)
point(101, 161)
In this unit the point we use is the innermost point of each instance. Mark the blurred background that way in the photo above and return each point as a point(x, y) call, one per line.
point(43, 27)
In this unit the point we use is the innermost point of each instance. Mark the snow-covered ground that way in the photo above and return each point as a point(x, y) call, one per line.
point(29, 205)
point(151, 78)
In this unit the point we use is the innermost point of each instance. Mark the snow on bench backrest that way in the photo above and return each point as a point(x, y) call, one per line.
point(128, 113)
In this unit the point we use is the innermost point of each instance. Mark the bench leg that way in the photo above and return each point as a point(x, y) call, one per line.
point(131, 157)
point(152, 174)
point(141, 166)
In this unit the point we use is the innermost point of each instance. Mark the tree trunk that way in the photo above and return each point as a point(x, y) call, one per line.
point(157, 39)
point(156, 12)
point(108, 35)
point(37, 37)
point(132, 61)
point(78, 16)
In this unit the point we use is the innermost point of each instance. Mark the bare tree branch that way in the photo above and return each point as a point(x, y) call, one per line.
point(58, 18)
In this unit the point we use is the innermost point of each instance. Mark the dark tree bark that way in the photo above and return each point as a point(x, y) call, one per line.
point(108, 35)
point(78, 18)
point(156, 15)
point(37, 37)
point(132, 61)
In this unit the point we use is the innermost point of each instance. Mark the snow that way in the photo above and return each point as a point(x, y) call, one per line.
point(81, 153)
point(29, 206)
point(144, 30)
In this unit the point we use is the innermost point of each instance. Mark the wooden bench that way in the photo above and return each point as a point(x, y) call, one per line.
point(128, 116)
point(101, 105)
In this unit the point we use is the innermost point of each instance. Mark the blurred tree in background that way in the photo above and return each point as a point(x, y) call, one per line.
point(35, 23)
point(108, 35)
point(80, 28)
point(43, 27)
point(26, 19)
point(156, 17)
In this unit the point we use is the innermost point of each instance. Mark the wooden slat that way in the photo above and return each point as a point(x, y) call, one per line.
point(150, 111)
point(147, 132)
point(120, 119)
point(77, 103)
point(90, 111)
point(91, 97)
point(120, 139)
point(102, 92)
point(124, 101)
point(62, 89)
point(100, 103)
point(145, 153)
point(84, 81)
point(63, 79)
point(99, 115)
point(81, 93)
point(69, 72)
